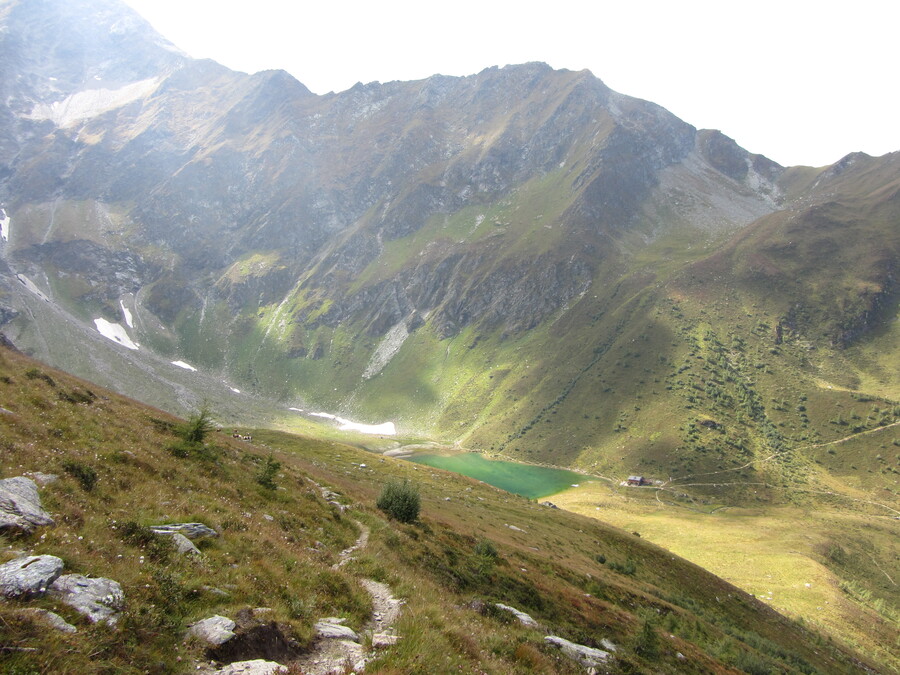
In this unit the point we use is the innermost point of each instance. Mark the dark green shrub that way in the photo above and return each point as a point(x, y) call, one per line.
point(400, 500)
point(35, 374)
point(647, 643)
point(83, 473)
point(157, 547)
point(628, 567)
point(486, 549)
point(266, 474)
point(195, 430)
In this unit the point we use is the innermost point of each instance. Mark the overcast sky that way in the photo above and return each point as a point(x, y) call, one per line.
point(801, 82)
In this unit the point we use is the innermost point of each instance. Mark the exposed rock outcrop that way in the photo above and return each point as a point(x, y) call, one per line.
point(99, 599)
point(190, 530)
point(213, 631)
point(29, 577)
point(20, 505)
point(589, 657)
point(184, 545)
point(522, 617)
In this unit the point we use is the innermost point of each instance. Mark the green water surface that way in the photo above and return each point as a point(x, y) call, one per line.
point(533, 482)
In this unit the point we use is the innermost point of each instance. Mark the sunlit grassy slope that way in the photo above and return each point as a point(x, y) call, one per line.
point(277, 546)
point(827, 562)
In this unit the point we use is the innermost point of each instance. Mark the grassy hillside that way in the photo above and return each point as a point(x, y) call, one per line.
point(123, 466)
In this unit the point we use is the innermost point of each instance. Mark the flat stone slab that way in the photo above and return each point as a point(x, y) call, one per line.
point(384, 640)
point(335, 631)
point(29, 577)
point(587, 656)
point(20, 505)
point(99, 599)
point(523, 618)
point(190, 530)
point(254, 667)
point(216, 630)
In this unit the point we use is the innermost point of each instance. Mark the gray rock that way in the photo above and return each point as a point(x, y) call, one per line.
point(587, 656)
point(216, 630)
point(523, 618)
point(20, 505)
point(190, 530)
point(335, 631)
point(184, 545)
point(29, 577)
point(99, 599)
point(254, 667)
point(52, 619)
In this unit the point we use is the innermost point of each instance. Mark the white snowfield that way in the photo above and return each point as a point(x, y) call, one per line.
point(186, 366)
point(4, 225)
point(385, 429)
point(114, 332)
point(89, 103)
point(129, 320)
point(30, 285)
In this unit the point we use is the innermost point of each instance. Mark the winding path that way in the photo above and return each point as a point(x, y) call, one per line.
point(335, 654)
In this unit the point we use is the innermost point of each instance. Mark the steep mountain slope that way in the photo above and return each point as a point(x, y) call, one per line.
point(521, 260)
point(288, 516)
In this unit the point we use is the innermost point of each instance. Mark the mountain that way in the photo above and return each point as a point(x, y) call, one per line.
point(521, 261)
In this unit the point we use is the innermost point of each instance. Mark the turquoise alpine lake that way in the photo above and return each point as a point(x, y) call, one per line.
point(530, 481)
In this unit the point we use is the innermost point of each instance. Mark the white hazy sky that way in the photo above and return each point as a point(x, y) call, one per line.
point(801, 82)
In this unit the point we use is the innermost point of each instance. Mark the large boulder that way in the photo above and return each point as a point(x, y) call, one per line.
point(20, 505)
point(29, 577)
point(99, 599)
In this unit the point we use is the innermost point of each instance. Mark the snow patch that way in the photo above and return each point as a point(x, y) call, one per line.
point(186, 366)
point(115, 332)
point(386, 350)
point(385, 429)
point(4, 225)
point(30, 285)
point(129, 320)
point(92, 102)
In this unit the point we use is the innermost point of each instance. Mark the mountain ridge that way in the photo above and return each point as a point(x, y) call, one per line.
point(287, 240)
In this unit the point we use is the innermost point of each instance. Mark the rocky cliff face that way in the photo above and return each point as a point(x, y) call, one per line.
point(248, 225)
